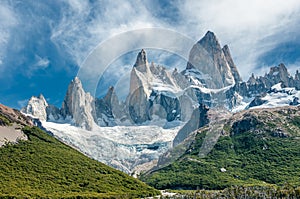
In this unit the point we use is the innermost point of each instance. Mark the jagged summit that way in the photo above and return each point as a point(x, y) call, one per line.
point(141, 63)
point(141, 58)
point(277, 74)
point(36, 107)
point(78, 105)
point(109, 93)
point(210, 39)
point(234, 70)
point(210, 62)
point(76, 80)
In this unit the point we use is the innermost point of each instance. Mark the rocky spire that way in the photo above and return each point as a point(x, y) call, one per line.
point(234, 71)
point(140, 74)
point(108, 108)
point(279, 74)
point(210, 41)
point(140, 77)
point(297, 75)
point(36, 107)
point(141, 58)
point(141, 63)
point(252, 79)
point(110, 94)
point(208, 58)
point(78, 105)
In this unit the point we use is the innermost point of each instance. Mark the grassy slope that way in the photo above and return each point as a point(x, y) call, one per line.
point(253, 157)
point(44, 167)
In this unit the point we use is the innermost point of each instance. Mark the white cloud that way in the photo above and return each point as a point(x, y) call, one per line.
point(83, 25)
point(251, 28)
point(40, 64)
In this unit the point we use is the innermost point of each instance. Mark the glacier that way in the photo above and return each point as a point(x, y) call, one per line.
point(131, 149)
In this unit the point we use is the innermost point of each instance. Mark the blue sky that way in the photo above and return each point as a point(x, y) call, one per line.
point(43, 43)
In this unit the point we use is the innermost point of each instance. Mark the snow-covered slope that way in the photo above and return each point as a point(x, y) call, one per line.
point(128, 148)
point(278, 97)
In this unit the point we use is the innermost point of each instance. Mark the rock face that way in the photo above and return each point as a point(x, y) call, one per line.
point(248, 123)
point(257, 101)
point(198, 119)
point(78, 105)
point(36, 107)
point(164, 106)
point(137, 100)
point(108, 109)
point(233, 68)
point(277, 74)
point(297, 80)
point(152, 92)
point(53, 113)
point(208, 58)
point(11, 123)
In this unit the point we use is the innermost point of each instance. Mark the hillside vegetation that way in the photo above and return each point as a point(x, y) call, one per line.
point(43, 167)
point(256, 148)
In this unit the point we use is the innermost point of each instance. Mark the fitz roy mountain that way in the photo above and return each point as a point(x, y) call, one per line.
point(163, 107)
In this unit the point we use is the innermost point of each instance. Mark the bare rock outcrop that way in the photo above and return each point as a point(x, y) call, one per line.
point(208, 58)
point(78, 105)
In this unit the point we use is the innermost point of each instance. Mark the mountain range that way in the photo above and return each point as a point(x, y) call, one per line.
point(163, 107)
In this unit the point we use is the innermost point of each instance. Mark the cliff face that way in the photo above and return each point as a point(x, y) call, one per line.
point(137, 100)
point(78, 105)
point(108, 109)
point(36, 107)
point(213, 64)
point(233, 68)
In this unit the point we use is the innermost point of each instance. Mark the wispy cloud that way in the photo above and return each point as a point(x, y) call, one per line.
point(40, 64)
point(84, 25)
point(250, 28)
point(7, 22)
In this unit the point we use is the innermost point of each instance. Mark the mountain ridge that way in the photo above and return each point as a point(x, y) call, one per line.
point(170, 100)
